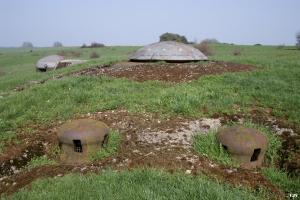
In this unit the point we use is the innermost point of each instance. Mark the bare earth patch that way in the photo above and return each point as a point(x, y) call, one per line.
point(148, 141)
point(168, 72)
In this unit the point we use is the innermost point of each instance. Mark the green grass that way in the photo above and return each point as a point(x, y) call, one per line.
point(40, 161)
point(291, 185)
point(276, 85)
point(110, 148)
point(18, 65)
point(137, 184)
point(208, 146)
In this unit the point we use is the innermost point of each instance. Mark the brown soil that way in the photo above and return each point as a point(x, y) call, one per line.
point(168, 72)
point(133, 153)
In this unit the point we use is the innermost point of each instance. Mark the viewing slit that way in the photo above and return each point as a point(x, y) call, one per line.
point(77, 146)
point(255, 155)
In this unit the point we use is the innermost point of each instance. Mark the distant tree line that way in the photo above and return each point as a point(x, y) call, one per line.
point(93, 45)
point(27, 45)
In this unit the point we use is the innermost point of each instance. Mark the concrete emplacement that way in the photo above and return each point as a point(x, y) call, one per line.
point(79, 138)
point(246, 145)
point(53, 62)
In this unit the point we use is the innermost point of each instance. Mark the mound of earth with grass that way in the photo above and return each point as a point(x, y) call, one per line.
point(147, 141)
point(168, 72)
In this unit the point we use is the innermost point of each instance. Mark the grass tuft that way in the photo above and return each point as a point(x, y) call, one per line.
point(40, 161)
point(290, 185)
point(110, 148)
point(207, 145)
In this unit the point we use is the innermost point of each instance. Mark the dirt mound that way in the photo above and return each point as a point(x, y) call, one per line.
point(148, 141)
point(168, 72)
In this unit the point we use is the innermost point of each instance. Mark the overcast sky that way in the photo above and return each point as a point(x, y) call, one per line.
point(138, 22)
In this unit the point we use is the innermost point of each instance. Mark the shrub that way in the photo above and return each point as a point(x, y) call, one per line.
point(173, 37)
point(258, 44)
point(27, 45)
point(94, 55)
point(75, 53)
point(204, 48)
point(211, 41)
point(83, 46)
point(62, 53)
point(237, 52)
point(57, 44)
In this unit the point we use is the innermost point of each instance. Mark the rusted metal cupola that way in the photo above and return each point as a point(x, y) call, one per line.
point(246, 145)
point(79, 138)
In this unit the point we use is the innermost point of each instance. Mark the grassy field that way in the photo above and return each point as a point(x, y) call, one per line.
point(135, 185)
point(275, 85)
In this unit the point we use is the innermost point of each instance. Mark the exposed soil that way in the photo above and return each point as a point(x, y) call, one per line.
point(168, 72)
point(148, 141)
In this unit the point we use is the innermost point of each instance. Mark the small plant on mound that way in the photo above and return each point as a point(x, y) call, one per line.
point(110, 148)
point(204, 48)
point(94, 55)
point(237, 52)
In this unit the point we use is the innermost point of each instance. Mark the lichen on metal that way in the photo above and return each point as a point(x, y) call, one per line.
point(246, 145)
point(79, 138)
point(168, 51)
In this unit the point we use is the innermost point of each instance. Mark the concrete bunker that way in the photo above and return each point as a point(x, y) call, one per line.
point(53, 62)
point(169, 51)
point(246, 145)
point(79, 138)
